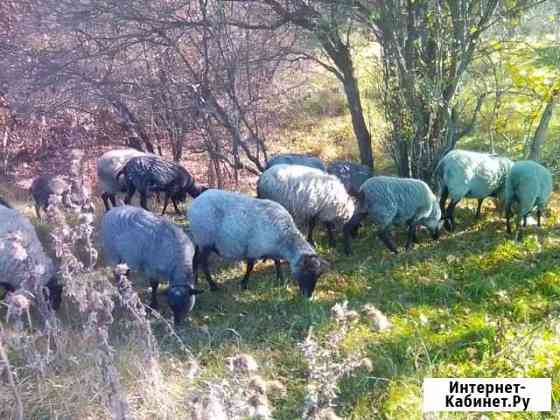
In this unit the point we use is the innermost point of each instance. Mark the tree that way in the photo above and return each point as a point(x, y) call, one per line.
point(330, 24)
point(427, 48)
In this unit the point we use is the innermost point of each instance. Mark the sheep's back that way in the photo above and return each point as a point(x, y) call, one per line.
point(392, 200)
point(238, 226)
point(21, 250)
point(296, 159)
point(109, 165)
point(147, 243)
point(306, 192)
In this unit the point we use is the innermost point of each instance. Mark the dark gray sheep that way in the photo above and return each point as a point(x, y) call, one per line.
point(529, 186)
point(396, 201)
point(73, 195)
point(151, 173)
point(20, 252)
point(351, 174)
point(238, 227)
point(296, 159)
point(156, 247)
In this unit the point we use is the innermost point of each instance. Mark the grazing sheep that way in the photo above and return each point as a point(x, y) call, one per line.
point(309, 195)
point(23, 262)
point(157, 248)
point(238, 227)
point(351, 174)
point(108, 166)
point(463, 173)
point(72, 194)
point(396, 201)
point(151, 173)
point(529, 185)
point(5, 203)
point(296, 159)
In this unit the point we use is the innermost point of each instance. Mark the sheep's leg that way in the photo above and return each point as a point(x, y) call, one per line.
point(539, 215)
point(279, 275)
point(525, 221)
point(385, 236)
point(250, 265)
point(509, 215)
point(330, 232)
point(442, 201)
point(37, 211)
point(348, 230)
point(450, 221)
point(480, 200)
point(411, 236)
point(175, 205)
point(196, 256)
point(113, 200)
point(519, 229)
point(105, 198)
point(144, 201)
point(204, 253)
point(310, 231)
point(165, 203)
point(154, 303)
point(130, 192)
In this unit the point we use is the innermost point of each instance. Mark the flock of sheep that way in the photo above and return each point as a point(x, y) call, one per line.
point(294, 193)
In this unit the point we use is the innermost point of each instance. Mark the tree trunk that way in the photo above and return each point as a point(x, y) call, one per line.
point(358, 121)
point(540, 133)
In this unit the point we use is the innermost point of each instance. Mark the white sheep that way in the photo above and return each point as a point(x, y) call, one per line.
point(529, 186)
point(108, 166)
point(310, 196)
point(23, 262)
point(396, 201)
point(466, 174)
point(238, 227)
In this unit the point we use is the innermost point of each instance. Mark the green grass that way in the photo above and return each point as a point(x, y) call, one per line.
point(474, 304)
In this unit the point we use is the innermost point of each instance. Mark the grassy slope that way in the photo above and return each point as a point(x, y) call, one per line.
point(474, 304)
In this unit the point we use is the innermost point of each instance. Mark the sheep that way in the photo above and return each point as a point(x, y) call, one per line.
point(156, 247)
point(238, 227)
point(151, 173)
point(463, 173)
point(528, 185)
point(72, 194)
point(396, 201)
point(351, 174)
point(296, 159)
point(108, 165)
point(309, 195)
point(20, 252)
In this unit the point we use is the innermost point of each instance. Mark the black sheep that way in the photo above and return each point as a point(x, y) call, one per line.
point(152, 174)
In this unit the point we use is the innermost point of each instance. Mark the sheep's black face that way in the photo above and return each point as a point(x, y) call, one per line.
point(310, 268)
point(55, 293)
point(437, 231)
point(181, 301)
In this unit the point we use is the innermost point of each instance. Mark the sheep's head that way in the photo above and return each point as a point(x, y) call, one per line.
point(308, 270)
point(181, 300)
point(434, 221)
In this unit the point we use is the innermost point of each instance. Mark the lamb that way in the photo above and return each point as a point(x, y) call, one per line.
point(157, 248)
point(462, 173)
point(351, 174)
point(309, 195)
point(108, 166)
point(296, 159)
point(396, 201)
point(151, 173)
point(72, 194)
point(529, 185)
point(238, 227)
point(20, 252)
